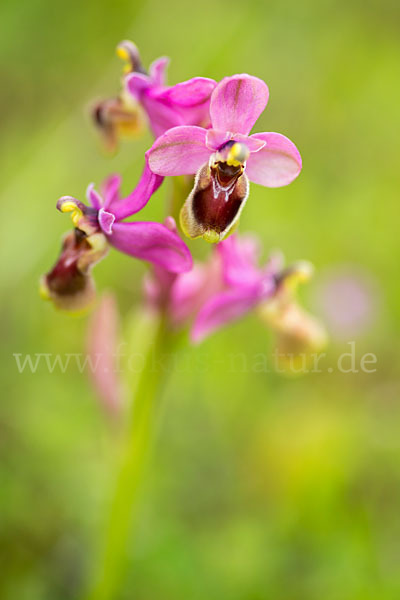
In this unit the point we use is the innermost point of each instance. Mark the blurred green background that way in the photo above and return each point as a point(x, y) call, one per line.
point(261, 486)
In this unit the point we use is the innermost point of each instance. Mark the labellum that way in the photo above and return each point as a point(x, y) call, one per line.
point(69, 284)
point(220, 191)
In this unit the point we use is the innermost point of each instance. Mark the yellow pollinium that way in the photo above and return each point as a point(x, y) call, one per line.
point(123, 54)
point(71, 207)
point(238, 154)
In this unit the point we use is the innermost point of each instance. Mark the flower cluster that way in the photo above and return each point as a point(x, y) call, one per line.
point(202, 130)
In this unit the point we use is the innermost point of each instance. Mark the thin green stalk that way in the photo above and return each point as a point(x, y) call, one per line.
point(160, 343)
point(135, 453)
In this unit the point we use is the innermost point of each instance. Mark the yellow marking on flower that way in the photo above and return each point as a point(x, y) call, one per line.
point(211, 236)
point(97, 241)
point(237, 155)
point(123, 54)
point(71, 207)
point(43, 290)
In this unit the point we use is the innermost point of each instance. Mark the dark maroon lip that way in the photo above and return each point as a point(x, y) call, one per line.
point(218, 196)
point(65, 278)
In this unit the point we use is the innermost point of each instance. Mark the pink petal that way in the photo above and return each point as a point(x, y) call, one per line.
point(190, 93)
point(197, 115)
point(185, 293)
point(137, 83)
point(110, 189)
point(222, 309)
point(102, 350)
point(94, 197)
point(239, 261)
point(186, 103)
point(190, 291)
point(106, 220)
point(277, 164)
point(161, 114)
point(180, 151)
point(157, 71)
point(253, 144)
point(237, 102)
point(148, 184)
point(152, 242)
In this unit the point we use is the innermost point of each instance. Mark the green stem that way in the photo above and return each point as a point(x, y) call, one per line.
point(134, 457)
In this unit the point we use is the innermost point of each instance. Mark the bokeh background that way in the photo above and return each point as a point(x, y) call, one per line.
point(261, 486)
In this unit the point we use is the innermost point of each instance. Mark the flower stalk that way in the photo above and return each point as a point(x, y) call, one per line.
point(121, 524)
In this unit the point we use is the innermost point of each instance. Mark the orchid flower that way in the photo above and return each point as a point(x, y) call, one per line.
point(269, 289)
point(225, 157)
point(69, 283)
point(145, 93)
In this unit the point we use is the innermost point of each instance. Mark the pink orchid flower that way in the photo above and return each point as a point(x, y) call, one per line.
point(102, 223)
point(225, 157)
point(185, 103)
point(146, 94)
point(269, 289)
